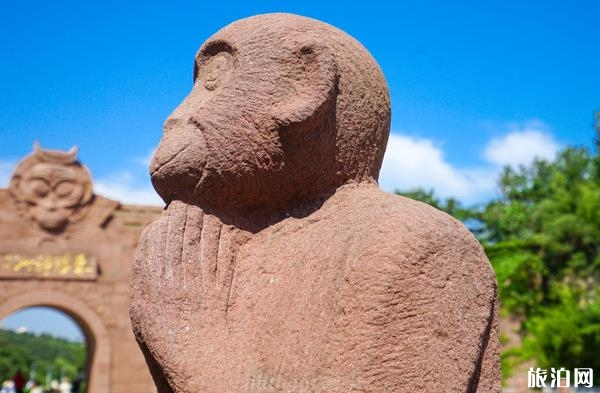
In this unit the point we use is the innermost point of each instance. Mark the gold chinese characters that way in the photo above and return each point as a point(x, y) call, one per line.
point(66, 266)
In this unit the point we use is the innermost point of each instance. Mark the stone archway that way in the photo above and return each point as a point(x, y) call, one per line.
point(94, 330)
point(62, 246)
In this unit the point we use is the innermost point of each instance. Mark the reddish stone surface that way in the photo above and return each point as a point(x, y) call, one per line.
point(48, 216)
point(279, 265)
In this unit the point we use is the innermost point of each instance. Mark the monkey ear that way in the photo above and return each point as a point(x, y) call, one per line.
point(311, 88)
point(15, 183)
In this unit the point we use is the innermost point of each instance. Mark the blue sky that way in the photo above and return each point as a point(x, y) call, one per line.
point(43, 319)
point(475, 85)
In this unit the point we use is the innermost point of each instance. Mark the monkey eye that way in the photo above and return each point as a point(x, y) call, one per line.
point(39, 187)
point(64, 188)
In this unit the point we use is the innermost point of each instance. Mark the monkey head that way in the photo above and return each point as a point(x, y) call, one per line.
point(282, 108)
point(51, 187)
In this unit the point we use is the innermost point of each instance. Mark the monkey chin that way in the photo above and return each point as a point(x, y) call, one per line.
point(53, 221)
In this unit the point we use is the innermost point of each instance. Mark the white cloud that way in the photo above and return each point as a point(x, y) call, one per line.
point(121, 187)
point(145, 160)
point(522, 145)
point(417, 162)
point(6, 171)
point(411, 163)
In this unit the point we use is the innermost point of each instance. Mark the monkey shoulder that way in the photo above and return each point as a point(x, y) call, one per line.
point(393, 237)
point(415, 287)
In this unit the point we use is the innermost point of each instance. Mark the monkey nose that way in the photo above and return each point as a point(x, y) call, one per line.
point(49, 203)
point(179, 138)
point(166, 152)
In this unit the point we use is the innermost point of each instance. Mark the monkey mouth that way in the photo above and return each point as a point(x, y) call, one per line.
point(157, 166)
point(168, 171)
point(52, 222)
point(176, 182)
point(179, 162)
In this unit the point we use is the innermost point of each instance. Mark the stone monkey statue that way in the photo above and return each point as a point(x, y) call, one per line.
point(278, 264)
point(52, 188)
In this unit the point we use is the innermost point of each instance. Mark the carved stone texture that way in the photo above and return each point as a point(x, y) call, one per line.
point(63, 247)
point(278, 264)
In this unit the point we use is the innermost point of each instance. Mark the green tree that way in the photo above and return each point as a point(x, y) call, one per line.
point(43, 352)
point(542, 236)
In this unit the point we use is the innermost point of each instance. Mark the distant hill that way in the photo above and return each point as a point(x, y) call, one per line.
point(45, 353)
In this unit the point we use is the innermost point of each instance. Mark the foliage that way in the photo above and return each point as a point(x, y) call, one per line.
point(45, 353)
point(542, 237)
point(451, 206)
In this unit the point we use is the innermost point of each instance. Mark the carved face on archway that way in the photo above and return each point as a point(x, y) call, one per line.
point(52, 188)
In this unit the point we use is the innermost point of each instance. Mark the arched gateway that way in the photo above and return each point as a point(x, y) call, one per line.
point(64, 247)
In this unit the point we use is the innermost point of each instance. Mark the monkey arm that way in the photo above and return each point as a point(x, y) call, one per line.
point(160, 301)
